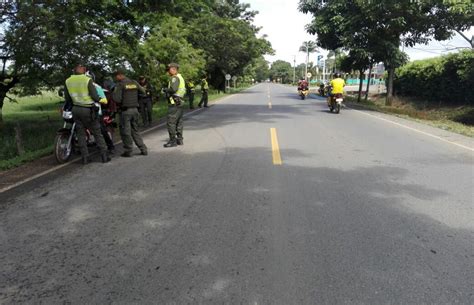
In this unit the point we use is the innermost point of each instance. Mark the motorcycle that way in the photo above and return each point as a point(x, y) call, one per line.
point(303, 92)
point(335, 102)
point(66, 141)
point(321, 90)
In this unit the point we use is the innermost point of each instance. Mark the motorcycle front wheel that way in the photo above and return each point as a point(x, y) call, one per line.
point(62, 150)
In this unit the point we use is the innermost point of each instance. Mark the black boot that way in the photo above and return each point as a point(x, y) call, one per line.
point(105, 158)
point(126, 154)
point(171, 143)
point(179, 141)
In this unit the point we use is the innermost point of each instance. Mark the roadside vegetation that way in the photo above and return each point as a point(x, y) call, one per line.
point(39, 48)
point(458, 119)
point(30, 125)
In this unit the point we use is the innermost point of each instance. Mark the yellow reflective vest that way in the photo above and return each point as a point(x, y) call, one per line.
point(78, 88)
point(181, 88)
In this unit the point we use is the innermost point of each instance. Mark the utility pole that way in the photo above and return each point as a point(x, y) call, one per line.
point(294, 69)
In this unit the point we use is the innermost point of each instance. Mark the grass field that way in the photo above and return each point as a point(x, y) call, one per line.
point(38, 118)
point(459, 119)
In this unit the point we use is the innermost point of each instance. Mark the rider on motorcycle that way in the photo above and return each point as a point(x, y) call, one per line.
point(104, 114)
point(303, 85)
point(337, 86)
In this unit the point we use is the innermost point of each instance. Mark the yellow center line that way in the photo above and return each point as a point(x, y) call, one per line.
point(275, 147)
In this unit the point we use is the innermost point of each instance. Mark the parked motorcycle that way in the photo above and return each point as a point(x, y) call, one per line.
point(66, 141)
point(335, 102)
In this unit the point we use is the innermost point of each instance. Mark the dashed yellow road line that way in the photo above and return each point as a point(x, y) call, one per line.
point(275, 147)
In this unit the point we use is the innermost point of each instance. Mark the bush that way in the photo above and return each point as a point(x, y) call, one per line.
point(447, 79)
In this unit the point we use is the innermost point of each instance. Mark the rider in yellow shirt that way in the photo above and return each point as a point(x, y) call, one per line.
point(337, 85)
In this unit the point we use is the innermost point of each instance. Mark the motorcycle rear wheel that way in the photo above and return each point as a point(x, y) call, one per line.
point(338, 108)
point(61, 150)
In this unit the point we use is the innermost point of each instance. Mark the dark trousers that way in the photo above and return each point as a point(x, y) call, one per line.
point(87, 118)
point(191, 100)
point(129, 130)
point(175, 122)
point(146, 110)
point(107, 137)
point(204, 98)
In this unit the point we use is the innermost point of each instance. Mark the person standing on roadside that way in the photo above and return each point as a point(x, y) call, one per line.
point(126, 94)
point(205, 92)
point(146, 102)
point(174, 95)
point(190, 90)
point(81, 92)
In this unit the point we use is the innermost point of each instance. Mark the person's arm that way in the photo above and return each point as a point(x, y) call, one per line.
point(68, 100)
point(67, 96)
point(174, 85)
point(141, 90)
point(118, 94)
point(93, 91)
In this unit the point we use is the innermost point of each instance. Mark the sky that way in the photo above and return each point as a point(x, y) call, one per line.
point(285, 27)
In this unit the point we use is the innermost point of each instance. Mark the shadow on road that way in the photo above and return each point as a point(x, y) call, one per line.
point(228, 223)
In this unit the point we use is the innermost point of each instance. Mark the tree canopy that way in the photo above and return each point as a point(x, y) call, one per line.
point(40, 42)
point(376, 29)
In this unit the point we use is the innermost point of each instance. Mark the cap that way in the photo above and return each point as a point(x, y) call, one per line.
point(173, 65)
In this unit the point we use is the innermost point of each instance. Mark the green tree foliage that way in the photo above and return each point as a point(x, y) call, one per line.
point(229, 45)
point(41, 41)
point(258, 70)
point(281, 71)
point(448, 79)
point(379, 27)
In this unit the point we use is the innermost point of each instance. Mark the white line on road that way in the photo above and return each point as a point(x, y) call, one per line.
point(414, 129)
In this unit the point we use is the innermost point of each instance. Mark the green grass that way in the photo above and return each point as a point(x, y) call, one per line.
point(458, 119)
point(39, 118)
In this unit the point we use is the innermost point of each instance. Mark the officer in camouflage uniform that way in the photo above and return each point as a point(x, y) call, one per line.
point(175, 94)
point(190, 90)
point(205, 92)
point(126, 96)
point(81, 92)
point(146, 102)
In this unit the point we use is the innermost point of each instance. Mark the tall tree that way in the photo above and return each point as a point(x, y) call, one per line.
point(229, 45)
point(381, 26)
point(281, 70)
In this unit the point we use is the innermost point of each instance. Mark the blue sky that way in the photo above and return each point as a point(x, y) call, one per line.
point(284, 25)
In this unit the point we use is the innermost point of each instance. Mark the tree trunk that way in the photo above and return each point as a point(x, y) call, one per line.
point(361, 81)
point(368, 83)
point(391, 75)
point(2, 101)
point(4, 88)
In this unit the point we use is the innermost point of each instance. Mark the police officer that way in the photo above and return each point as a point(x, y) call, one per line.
point(126, 96)
point(174, 94)
point(81, 92)
point(146, 102)
point(190, 90)
point(204, 91)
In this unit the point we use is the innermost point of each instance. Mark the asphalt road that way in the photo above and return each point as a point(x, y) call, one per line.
point(360, 211)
